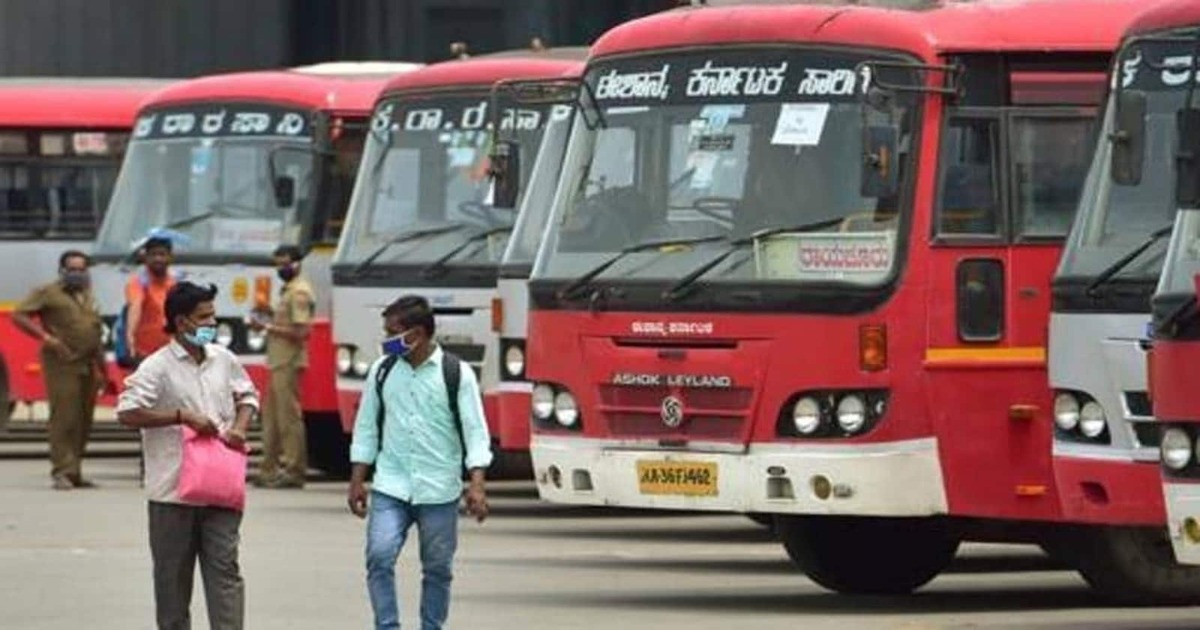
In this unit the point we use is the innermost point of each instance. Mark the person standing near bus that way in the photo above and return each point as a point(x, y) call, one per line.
point(68, 325)
point(285, 449)
point(437, 428)
point(145, 295)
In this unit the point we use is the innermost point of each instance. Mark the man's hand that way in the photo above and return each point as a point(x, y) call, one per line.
point(55, 345)
point(357, 498)
point(199, 423)
point(257, 325)
point(476, 499)
point(235, 438)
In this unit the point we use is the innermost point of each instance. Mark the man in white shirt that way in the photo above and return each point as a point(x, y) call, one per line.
point(195, 382)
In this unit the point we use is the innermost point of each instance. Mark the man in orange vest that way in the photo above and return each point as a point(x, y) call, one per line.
point(146, 294)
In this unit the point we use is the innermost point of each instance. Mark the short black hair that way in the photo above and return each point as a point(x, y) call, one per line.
point(412, 310)
point(293, 253)
point(158, 242)
point(73, 253)
point(183, 299)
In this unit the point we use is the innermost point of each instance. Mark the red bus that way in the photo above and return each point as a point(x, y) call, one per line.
point(1161, 70)
point(424, 219)
point(230, 167)
point(815, 283)
point(61, 143)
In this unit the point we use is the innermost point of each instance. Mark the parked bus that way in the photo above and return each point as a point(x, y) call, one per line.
point(61, 143)
point(423, 218)
point(1106, 440)
point(1161, 112)
point(815, 281)
point(230, 167)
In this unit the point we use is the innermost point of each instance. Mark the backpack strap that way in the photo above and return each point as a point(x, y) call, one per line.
point(381, 375)
point(452, 375)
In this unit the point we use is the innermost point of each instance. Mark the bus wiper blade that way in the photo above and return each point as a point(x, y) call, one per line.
point(1185, 309)
point(405, 237)
point(572, 290)
point(438, 266)
point(677, 290)
point(1092, 288)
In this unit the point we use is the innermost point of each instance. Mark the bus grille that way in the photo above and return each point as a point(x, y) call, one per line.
point(709, 414)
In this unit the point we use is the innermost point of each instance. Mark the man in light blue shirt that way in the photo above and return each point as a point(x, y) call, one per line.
point(418, 464)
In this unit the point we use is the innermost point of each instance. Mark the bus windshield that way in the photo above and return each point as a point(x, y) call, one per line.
point(55, 184)
point(1114, 218)
point(426, 165)
point(207, 176)
point(719, 146)
point(1183, 259)
point(539, 195)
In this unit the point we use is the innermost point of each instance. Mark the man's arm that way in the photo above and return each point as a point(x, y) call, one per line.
point(300, 312)
point(365, 444)
point(134, 296)
point(478, 443)
point(138, 405)
point(23, 319)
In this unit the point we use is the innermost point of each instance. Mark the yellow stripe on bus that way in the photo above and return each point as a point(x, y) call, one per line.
point(8, 306)
point(989, 355)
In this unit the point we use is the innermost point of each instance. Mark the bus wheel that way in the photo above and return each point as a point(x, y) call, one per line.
point(328, 445)
point(7, 404)
point(1136, 566)
point(864, 555)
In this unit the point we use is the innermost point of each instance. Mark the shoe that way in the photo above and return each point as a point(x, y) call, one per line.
point(79, 482)
point(264, 481)
point(61, 482)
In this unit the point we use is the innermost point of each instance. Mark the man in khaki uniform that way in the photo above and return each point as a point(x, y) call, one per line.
point(68, 325)
point(285, 455)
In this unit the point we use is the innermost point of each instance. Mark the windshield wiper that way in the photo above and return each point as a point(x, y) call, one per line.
point(1123, 262)
point(438, 266)
point(572, 290)
point(405, 237)
point(676, 290)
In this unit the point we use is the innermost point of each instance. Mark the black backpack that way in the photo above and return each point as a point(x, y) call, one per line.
point(451, 374)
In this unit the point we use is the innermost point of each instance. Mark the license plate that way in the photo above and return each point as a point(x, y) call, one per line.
point(682, 478)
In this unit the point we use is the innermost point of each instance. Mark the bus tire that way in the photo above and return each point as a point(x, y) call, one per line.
point(327, 444)
point(1136, 566)
point(866, 555)
point(7, 404)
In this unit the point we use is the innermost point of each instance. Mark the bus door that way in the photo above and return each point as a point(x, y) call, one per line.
point(1008, 184)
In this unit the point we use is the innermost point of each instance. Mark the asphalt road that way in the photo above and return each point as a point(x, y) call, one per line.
point(79, 559)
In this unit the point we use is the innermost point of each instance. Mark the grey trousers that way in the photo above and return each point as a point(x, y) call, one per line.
point(178, 535)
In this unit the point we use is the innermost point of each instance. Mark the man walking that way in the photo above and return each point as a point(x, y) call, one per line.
point(68, 325)
point(284, 444)
point(145, 295)
point(195, 382)
point(420, 415)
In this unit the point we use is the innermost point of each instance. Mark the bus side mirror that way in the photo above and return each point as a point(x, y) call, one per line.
point(285, 191)
point(1129, 138)
point(880, 168)
point(506, 173)
point(1187, 160)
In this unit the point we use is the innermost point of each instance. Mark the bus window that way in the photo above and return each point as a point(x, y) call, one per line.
point(1050, 156)
point(969, 197)
point(339, 179)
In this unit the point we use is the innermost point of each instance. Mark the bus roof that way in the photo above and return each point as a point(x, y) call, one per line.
point(927, 29)
point(1166, 16)
point(343, 87)
point(485, 70)
point(69, 102)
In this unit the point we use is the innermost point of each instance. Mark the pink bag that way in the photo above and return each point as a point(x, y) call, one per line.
point(212, 473)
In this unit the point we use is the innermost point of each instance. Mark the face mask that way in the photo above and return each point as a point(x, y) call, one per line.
point(286, 273)
point(75, 279)
point(397, 345)
point(203, 336)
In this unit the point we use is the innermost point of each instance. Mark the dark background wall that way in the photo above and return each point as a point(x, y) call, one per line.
point(182, 38)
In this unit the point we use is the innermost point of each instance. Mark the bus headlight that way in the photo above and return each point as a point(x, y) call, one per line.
point(806, 415)
point(1091, 420)
point(851, 413)
point(542, 401)
point(256, 340)
point(224, 334)
point(514, 361)
point(1066, 411)
point(105, 335)
point(1176, 449)
point(565, 409)
point(345, 359)
point(361, 368)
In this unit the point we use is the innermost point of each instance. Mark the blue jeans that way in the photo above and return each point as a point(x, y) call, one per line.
point(387, 529)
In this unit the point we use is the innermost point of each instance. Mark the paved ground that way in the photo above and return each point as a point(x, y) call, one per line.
point(80, 560)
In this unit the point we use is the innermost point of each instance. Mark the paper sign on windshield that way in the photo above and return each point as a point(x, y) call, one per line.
point(800, 124)
point(256, 236)
point(860, 256)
